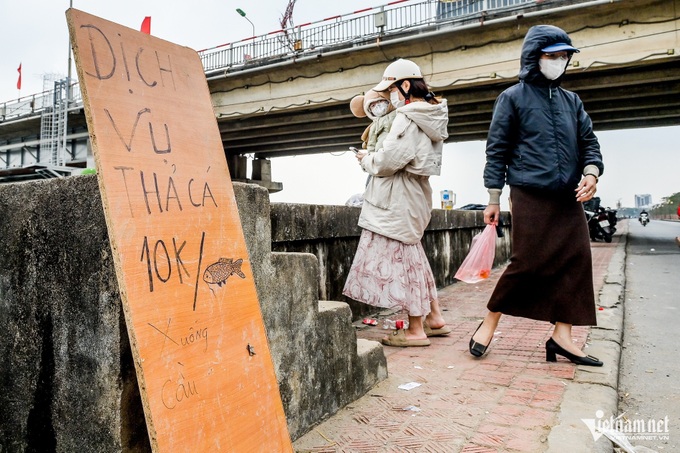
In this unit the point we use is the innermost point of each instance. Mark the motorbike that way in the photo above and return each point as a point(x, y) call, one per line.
point(644, 218)
point(611, 216)
point(601, 221)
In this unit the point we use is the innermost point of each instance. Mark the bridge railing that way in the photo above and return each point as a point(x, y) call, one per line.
point(35, 104)
point(350, 29)
point(334, 32)
point(314, 36)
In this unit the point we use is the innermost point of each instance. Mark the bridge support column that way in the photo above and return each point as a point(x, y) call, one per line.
point(238, 167)
point(262, 175)
point(261, 172)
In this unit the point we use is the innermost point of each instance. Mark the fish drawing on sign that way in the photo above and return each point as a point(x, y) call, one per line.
point(218, 273)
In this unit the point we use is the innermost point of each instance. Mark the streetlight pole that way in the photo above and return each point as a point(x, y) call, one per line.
point(68, 81)
point(243, 14)
point(61, 153)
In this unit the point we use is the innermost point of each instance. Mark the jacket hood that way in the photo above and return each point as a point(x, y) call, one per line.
point(539, 37)
point(432, 119)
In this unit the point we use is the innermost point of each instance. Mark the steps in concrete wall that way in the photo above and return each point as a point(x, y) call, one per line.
point(320, 365)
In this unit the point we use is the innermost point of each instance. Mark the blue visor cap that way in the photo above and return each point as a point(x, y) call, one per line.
point(559, 47)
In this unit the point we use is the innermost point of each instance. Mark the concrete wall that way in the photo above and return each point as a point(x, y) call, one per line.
point(332, 235)
point(66, 373)
point(67, 379)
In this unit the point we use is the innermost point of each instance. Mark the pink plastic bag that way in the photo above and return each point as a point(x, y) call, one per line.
point(479, 261)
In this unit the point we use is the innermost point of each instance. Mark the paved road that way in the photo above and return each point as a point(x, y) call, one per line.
point(649, 386)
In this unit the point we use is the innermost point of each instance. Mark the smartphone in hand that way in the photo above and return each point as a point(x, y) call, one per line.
point(354, 150)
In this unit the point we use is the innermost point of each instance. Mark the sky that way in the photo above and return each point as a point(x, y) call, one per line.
point(35, 35)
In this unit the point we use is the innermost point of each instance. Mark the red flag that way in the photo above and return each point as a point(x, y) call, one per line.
point(19, 81)
point(146, 25)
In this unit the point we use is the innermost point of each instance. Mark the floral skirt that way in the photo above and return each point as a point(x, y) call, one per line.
point(390, 274)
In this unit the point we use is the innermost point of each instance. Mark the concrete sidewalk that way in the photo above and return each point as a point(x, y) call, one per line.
point(511, 400)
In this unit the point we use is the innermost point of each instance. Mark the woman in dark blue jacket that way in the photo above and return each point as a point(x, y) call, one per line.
point(541, 143)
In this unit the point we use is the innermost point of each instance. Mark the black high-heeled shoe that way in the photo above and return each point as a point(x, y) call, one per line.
point(478, 349)
point(552, 348)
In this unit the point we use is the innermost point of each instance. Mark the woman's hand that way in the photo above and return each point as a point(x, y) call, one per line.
point(360, 155)
point(586, 188)
point(492, 213)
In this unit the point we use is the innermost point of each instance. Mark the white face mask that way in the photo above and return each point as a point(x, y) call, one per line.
point(552, 69)
point(379, 108)
point(394, 99)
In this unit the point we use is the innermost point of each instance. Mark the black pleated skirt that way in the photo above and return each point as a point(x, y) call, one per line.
point(550, 275)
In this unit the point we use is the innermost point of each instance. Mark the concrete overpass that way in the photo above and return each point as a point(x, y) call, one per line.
point(296, 102)
point(628, 75)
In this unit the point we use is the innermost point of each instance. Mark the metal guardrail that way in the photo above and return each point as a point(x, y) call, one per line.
point(321, 35)
point(35, 104)
point(354, 28)
point(349, 29)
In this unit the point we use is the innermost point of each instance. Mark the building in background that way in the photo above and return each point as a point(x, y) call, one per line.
point(643, 200)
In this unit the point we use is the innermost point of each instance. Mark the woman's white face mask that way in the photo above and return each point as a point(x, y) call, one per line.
point(552, 69)
point(394, 99)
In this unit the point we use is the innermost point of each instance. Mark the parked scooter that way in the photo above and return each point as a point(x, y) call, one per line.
point(644, 218)
point(601, 221)
point(611, 215)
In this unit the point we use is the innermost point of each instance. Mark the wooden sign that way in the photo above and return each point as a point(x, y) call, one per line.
point(203, 363)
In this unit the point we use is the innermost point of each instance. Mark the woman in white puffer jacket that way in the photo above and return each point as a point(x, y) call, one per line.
point(390, 268)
